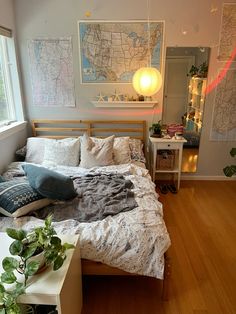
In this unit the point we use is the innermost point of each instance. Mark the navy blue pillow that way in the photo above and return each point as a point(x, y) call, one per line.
point(49, 183)
point(2, 179)
point(18, 198)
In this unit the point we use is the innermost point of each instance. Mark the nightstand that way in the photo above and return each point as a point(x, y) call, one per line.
point(61, 288)
point(166, 144)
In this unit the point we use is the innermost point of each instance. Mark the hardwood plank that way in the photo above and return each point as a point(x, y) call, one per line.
point(201, 220)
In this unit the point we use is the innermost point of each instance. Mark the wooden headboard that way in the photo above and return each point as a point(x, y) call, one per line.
point(73, 128)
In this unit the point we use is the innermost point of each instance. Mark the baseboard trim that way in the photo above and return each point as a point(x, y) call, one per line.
point(207, 178)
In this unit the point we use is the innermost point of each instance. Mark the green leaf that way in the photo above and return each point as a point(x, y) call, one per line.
point(68, 246)
point(58, 263)
point(16, 247)
point(2, 289)
point(1, 299)
point(56, 241)
point(50, 256)
point(9, 264)
point(14, 309)
point(29, 251)
point(48, 221)
point(19, 289)
point(32, 267)
point(16, 234)
point(9, 301)
point(233, 152)
point(229, 171)
point(2, 311)
point(8, 277)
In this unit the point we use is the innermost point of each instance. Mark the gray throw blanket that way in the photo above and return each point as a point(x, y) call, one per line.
point(99, 195)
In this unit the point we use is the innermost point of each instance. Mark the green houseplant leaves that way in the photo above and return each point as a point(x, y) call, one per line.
point(229, 171)
point(42, 240)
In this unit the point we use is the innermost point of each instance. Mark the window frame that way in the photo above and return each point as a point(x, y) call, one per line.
point(7, 80)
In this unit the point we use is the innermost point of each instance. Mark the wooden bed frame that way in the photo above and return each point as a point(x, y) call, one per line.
point(59, 129)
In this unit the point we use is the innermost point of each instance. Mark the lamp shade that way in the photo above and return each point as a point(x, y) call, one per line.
point(147, 81)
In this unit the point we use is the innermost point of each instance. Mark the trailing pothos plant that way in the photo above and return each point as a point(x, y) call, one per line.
point(42, 240)
point(229, 171)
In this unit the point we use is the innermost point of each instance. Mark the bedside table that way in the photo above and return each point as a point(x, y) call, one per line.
point(166, 144)
point(61, 288)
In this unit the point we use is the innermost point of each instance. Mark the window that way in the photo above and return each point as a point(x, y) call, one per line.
point(10, 97)
point(6, 98)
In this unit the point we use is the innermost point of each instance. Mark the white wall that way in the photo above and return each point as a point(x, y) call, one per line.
point(58, 18)
point(7, 13)
point(9, 145)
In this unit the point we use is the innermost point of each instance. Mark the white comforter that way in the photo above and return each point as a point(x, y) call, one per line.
point(134, 241)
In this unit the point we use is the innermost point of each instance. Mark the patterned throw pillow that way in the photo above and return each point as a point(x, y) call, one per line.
point(136, 147)
point(121, 150)
point(18, 198)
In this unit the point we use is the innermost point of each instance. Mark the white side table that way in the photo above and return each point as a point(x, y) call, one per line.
point(166, 144)
point(61, 288)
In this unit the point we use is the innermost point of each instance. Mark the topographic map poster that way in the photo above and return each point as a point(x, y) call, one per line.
point(111, 52)
point(51, 66)
point(224, 115)
point(228, 32)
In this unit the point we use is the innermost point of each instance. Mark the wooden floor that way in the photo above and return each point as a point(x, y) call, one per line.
point(201, 220)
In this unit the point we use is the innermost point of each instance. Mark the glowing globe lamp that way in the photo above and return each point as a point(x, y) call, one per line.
point(147, 81)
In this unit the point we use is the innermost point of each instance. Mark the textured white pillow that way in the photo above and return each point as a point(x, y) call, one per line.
point(35, 149)
point(62, 152)
point(121, 150)
point(96, 152)
point(136, 148)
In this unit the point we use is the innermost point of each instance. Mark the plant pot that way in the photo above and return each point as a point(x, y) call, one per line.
point(156, 135)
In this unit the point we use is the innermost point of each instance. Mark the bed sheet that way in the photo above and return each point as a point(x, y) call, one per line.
point(133, 241)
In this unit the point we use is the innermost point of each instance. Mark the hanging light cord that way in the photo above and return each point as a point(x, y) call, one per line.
point(149, 35)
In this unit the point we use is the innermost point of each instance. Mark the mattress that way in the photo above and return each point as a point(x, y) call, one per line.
point(134, 241)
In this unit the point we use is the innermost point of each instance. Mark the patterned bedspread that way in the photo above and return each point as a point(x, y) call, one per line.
point(134, 241)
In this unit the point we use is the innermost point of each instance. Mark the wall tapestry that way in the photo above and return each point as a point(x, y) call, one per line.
point(224, 115)
point(111, 51)
point(51, 67)
point(228, 32)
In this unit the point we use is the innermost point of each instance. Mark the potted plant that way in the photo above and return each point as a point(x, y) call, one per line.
point(229, 171)
point(200, 71)
point(156, 129)
point(42, 240)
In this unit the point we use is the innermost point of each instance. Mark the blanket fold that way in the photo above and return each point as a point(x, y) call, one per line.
point(99, 195)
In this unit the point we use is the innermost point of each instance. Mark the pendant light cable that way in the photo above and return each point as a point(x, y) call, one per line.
point(149, 35)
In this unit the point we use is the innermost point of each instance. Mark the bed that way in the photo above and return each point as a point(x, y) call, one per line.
point(141, 231)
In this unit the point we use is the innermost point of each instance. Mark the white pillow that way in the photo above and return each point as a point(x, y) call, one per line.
point(62, 152)
point(121, 150)
point(96, 152)
point(35, 149)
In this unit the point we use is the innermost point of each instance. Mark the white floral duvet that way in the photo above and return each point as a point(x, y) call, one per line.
point(134, 241)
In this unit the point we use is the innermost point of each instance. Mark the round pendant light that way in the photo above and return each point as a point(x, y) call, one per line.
point(147, 81)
